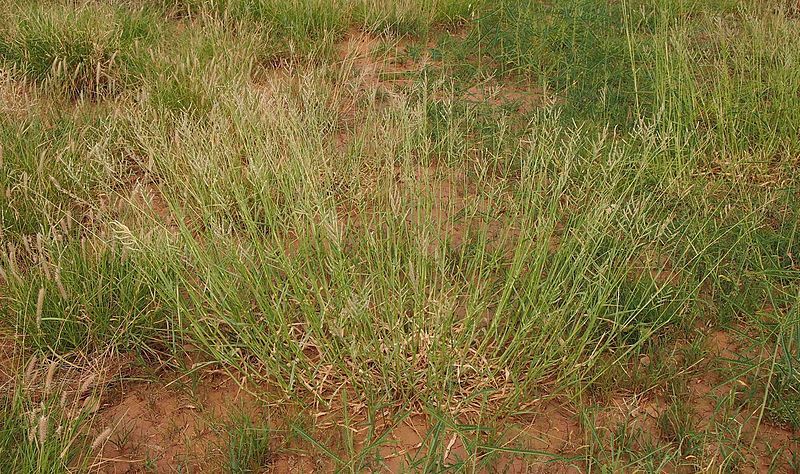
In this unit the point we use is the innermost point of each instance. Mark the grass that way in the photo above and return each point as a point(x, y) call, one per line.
point(81, 52)
point(319, 199)
point(46, 415)
point(248, 447)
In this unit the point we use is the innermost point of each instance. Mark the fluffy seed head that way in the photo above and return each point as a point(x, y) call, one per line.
point(30, 372)
point(48, 381)
point(39, 306)
point(101, 438)
point(42, 429)
point(86, 384)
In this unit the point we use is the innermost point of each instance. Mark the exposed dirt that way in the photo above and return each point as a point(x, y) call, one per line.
point(712, 394)
point(659, 268)
point(520, 99)
point(403, 445)
point(180, 426)
point(378, 62)
point(164, 428)
point(553, 428)
point(377, 72)
point(146, 195)
point(450, 193)
point(404, 441)
point(709, 406)
point(291, 463)
point(385, 65)
point(722, 344)
point(374, 73)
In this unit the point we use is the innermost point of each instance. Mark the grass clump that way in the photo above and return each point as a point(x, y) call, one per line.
point(46, 178)
point(410, 18)
point(85, 52)
point(578, 48)
point(81, 296)
point(288, 30)
point(248, 445)
point(729, 83)
point(46, 414)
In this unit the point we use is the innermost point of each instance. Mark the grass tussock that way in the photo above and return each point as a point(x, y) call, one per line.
point(86, 52)
point(402, 227)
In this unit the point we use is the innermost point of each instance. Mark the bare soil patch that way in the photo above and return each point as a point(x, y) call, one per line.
point(168, 424)
point(379, 61)
point(520, 99)
point(164, 427)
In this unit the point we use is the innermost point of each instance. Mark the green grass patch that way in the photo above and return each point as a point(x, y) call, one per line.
point(83, 52)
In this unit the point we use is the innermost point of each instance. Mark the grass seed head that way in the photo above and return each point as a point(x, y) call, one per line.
point(87, 384)
point(42, 429)
point(101, 439)
point(48, 382)
point(30, 372)
point(39, 306)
